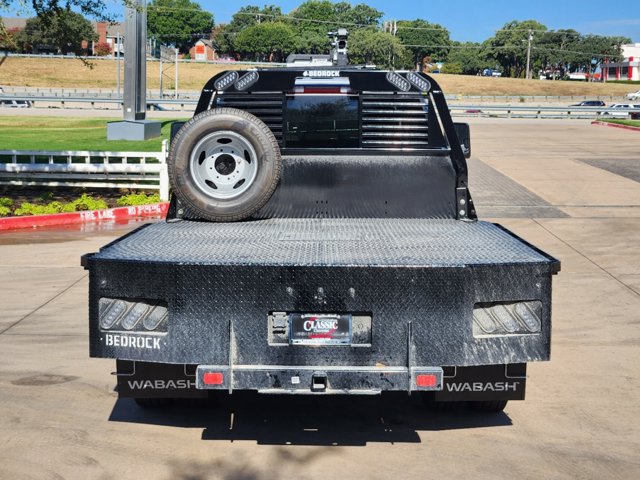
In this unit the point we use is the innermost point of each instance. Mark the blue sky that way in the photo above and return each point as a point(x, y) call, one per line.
point(476, 20)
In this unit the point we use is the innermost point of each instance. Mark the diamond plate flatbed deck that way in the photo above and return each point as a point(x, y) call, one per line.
point(326, 242)
point(418, 280)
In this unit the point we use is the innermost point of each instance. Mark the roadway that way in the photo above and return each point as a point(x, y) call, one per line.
point(570, 188)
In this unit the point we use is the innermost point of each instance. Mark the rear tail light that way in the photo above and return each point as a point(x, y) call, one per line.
point(507, 318)
point(117, 314)
point(426, 380)
point(213, 378)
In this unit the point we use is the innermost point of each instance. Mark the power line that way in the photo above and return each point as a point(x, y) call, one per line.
point(454, 47)
point(334, 22)
point(603, 55)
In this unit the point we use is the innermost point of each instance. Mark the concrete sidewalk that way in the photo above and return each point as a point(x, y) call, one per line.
point(580, 420)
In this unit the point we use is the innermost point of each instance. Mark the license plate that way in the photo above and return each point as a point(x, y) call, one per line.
point(319, 329)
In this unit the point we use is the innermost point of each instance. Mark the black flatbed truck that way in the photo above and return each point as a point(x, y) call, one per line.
point(363, 270)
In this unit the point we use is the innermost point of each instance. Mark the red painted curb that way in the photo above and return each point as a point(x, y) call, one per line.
point(119, 213)
point(616, 125)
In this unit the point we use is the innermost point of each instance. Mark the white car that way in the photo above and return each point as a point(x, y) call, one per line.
point(621, 109)
point(15, 103)
point(634, 95)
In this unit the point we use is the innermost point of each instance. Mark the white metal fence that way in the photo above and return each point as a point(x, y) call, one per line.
point(132, 170)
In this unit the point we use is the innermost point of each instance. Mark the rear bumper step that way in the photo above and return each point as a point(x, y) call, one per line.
point(320, 379)
point(159, 380)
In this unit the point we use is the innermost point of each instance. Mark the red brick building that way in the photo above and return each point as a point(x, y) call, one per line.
point(203, 50)
point(111, 34)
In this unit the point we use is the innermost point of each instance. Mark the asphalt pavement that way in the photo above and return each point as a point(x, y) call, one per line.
point(568, 187)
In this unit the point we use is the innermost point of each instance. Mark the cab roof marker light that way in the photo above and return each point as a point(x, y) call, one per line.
point(422, 84)
point(398, 81)
point(109, 316)
point(134, 315)
point(247, 80)
point(226, 81)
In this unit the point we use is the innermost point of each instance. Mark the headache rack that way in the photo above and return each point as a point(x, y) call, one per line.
point(388, 118)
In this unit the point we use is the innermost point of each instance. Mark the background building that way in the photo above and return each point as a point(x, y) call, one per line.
point(203, 50)
point(629, 69)
point(111, 34)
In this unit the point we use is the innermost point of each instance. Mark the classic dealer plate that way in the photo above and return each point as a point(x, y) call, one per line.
point(319, 329)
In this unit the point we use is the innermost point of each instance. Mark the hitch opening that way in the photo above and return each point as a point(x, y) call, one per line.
point(319, 382)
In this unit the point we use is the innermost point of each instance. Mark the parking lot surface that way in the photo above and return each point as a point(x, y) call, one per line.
point(566, 186)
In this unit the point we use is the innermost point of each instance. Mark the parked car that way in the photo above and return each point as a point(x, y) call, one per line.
point(621, 109)
point(589, 103)
point(634, 95)
point(489, 72)
point(15, 103)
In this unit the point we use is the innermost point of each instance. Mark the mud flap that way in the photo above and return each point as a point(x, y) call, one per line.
point(489, 382)
point(156, 380)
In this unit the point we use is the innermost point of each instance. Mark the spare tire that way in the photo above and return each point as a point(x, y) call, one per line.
point(224, 165)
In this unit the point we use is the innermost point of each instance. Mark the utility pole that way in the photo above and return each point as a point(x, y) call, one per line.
point(528, 75)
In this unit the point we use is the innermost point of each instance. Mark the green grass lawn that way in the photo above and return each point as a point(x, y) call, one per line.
point(61, 133)
point(631, 123)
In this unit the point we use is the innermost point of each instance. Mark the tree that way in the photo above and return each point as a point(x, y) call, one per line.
point(102, 49)
point(452, 68)
point(246, 17)
point(424, 39)
point(46, 9)
point(311, 33)
point(177, 22)
point(7, 37)
point(368, 46)
point(564, 51)
point(471, 57)
point(64, 31)
point(555, 51)
point(509, 45)
point(596, 48)
point(270, 41)
point(358, 15)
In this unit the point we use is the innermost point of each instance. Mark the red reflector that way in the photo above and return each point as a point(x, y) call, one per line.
point(429, 380)
point(213, 378)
